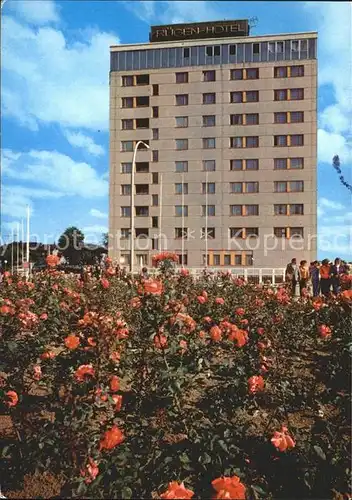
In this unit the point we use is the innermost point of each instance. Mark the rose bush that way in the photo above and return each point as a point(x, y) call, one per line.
point(137, 388)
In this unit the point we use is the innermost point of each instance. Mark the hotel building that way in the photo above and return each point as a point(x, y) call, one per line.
point(230, 120)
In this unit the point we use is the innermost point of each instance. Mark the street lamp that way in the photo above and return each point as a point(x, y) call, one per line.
point(132, 199)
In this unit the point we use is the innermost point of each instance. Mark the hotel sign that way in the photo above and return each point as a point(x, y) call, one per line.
point(218, 29)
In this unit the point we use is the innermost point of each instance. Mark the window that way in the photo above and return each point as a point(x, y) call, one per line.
point(280, 232)
point(297, 71)
point(142, 231)
point(280, 117)
point(125, 234)
point(208, 187)
point(125, 189)
point(209, 143)
point(142, 101)
point(210, 232)
point(209, 51)
point(227, 260)
point(236, 119)
point(155, 200)
point(236, 74)
point(178, 188)
point(280, 140)
point(209, 76)
point(142, 259)
point(252, 142)
point(183, 259)
point(251, 187)
point(251, 231)
point(125, 211)
point(182, 100)
point(181, 166)
point(142, 123)
point(211, 210)
point(252, 164)
point(209, 98)
point(142, 211)
point(280, 72)
point(279, 47)
point(181, 232)
point(182, 77)
point(296, 186)
point(236, 97)
point(297, 140)
point(155, 112)
point(271, 47)
point(280, 95)
point(297, 116)
point(252, 118)
point(236, 187)
point(155, 178)
point(252, 73)
point(256, 48)
point(126, 168)
point(280, 163)
point(296, 94)
point(142, 188)
point(186, 52)
point(181, 144)
point(304, 45)
point(280, 209)
point(209, 165)
point(126, 145)
point(280, 186)
point(248, 259)
point(181, 121)
point(294, 45)
point(235, 164)
point(296, 231)
point(238, 260)
point(251, 210)
point(252, 96)
point(155, 134)
point(209, 121)
point(181, 210)
point(142, 79)
point(125, 259)
point(236, 210)
point(296, 163)
point(127, 81)
point(127, 124)
point(296, 209)
point(235, 142)
point(127, 102)
point(236, 232)
point(155, 244)
point(216, 259)
point(233, 50)
point(155, 89)
point(217, 50)
point(155, 155)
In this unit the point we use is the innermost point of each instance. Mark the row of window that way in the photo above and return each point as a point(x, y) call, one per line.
point(214, 259)
point(235, 142)
point(238, 96)
point(210, 120)
point(210, 75)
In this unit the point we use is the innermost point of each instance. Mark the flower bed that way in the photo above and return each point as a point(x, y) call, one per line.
point(175, 388)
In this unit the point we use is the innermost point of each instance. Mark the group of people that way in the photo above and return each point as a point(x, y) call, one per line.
point(322, 275)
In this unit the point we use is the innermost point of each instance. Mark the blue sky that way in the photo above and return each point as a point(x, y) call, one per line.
point(55, 67)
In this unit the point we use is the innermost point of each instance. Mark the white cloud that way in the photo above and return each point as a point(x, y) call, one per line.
point(55, 171)
point(324, 202)
point(95, 229)
point(333, 120)
point(48, 79)
point(15, 199)
point(335, 239)
point(98, 214)
point(36, 12)
point(331, 144)
point(79, 140)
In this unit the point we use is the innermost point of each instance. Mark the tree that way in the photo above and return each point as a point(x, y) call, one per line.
point(105, 240)
point(70, 244)
point(337, 166)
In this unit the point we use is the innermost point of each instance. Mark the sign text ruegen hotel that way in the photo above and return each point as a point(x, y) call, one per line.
point(217, 29)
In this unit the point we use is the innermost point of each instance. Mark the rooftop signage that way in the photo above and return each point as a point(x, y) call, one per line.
point(194, 31)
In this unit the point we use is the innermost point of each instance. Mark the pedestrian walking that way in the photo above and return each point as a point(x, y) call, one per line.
point(314, 273)
point(336, 271)
point(303, 276)
point(292, 275)
point(325, 278)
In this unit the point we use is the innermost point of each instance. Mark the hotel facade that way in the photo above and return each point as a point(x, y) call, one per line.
point(229, 178)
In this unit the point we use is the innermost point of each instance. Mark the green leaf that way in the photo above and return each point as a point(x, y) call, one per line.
point(184, 458)
point(127, 492)
point(319, 452)
point(204, 459)
point(259, 490)
point(81, 488)
point(223, 445)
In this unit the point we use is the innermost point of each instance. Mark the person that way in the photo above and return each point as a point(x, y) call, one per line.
point(144, 273)
point(336, 271)
point(315, 277)
point(292, 275)
point(303, 276)
point(325, 281)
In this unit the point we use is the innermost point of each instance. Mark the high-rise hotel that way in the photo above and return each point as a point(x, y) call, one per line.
point(229, 177)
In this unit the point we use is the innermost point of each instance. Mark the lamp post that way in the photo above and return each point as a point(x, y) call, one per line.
point(132, 199)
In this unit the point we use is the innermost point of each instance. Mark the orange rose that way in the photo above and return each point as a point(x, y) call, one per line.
point(113, 437)
point(52, 260)
point(324, 331)
point(91, 471)
point(153, 287)
point(282, 440)
point(229, 487)
point(48, 355)
point(256, 384)
point(105, 283)
point(118, 401)
point(13, 398)
point(177, 491)
point(83, 371)
point(72, 342)
point(91, 341)
point(215, 333)
point(160, 341)
point(114, 383)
